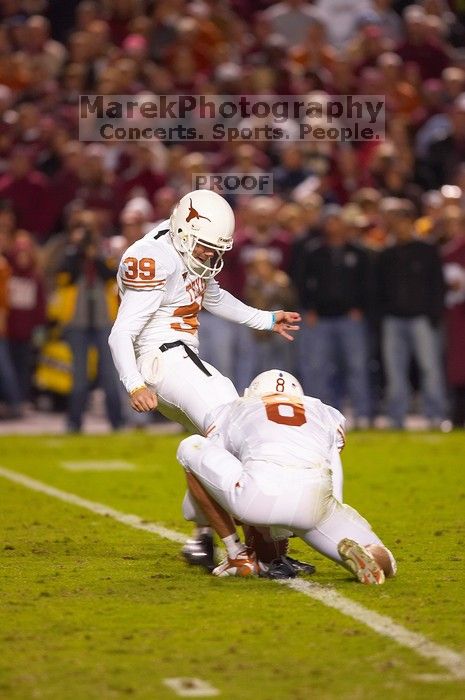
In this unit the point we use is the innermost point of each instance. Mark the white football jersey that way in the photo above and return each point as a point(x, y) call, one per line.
point(279, 429)
point(160, 303)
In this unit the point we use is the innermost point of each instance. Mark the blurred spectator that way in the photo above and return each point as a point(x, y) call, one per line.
point(419, 48)
point(98, 186)
point(184, 170)
point(65, 182)
point(86, 306)
point(411, 302)
point(291, 171)
point(141, 178)
point(453, 80)
point(446, 152)
point(164, 29)
point(136, 220)
point(8, 381)
point(347, 13)
point(312, 205)
point(86, 12)
point(302, 221)
point(291, 20)
point(266, 287)
point(30, 193)
point(163, 203)
point(368, 200)
point(54, 251)
point(333, 291)
point(26, 307)
point(120, 13)
point(261, 231)
point(39, 42)
point(315, 53)
point(387, 18)
point(432, 204)
point(7, 224)
point(401, 97)
point(293, 219)
point(453, 255)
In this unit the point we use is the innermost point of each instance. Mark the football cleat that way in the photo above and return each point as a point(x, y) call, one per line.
point(301, 567)
point(244, 564)
point(200, 551)
point(279, 568)
point(360, 562)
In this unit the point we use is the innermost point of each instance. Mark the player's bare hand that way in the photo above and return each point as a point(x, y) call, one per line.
point(143, 400)
point(286, 321)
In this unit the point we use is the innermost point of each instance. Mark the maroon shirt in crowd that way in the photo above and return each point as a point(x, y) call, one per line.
point(27, 303)
point(31, 199)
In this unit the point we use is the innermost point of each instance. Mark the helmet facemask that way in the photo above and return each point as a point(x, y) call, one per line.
point(185, 244)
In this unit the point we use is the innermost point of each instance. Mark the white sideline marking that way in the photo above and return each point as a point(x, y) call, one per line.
point(125, 518)
point(104, 465)
point(385, 626)
point(435, 678)
point(191, 687)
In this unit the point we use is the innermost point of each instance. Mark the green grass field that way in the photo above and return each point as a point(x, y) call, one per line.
point(94, 609)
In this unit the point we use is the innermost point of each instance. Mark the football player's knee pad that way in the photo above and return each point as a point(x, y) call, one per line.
point(190, 450)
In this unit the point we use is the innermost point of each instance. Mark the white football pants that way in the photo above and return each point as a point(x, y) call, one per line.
point(185, 393)
point(263, 494)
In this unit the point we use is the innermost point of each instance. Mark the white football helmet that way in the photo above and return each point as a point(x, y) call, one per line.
point(275, 381)
point(202, 217)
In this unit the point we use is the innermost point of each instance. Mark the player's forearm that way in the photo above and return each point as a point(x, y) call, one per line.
point(223, 304)
point(122, 351)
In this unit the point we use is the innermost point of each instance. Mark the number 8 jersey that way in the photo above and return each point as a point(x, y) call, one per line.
point(278, 429)
point(160, 302)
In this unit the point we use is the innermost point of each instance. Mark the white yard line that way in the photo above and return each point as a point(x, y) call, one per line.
point(384, 625)
point(125, 518)
point(191, 687)
point(450, 660)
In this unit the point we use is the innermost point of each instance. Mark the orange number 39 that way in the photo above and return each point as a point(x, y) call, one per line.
point(144, 269)
point(284, 412)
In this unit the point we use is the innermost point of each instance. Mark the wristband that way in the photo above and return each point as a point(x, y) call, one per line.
point(273, 320)
point(138, 388)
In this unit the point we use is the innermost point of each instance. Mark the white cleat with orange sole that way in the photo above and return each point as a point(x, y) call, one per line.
point(359, 560)
point(245, 564)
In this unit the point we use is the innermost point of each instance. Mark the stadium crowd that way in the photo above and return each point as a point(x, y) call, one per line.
point(367, 239)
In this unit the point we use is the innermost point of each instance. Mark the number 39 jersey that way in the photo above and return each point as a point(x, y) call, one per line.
point(152, 264)
point(279, 429)
point(160, 302)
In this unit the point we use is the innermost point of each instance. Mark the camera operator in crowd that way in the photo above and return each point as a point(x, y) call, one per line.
point(87, 303)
